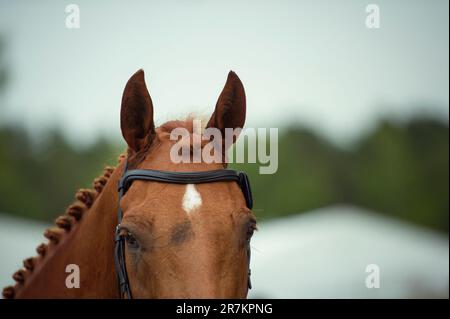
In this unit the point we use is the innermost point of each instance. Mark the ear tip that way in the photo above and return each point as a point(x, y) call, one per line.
point(233, 78)
point(138, 76)
point(232, 74)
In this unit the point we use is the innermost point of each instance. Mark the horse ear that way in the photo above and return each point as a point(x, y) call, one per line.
point(230, 107)
point(136, 114)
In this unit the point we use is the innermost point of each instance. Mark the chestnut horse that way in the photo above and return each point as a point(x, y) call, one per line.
point(182, 241)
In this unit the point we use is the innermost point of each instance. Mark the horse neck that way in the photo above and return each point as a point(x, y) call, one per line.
point(90, 246)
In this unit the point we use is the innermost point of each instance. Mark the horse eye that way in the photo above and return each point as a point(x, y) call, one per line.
point(131, 241)
point(250, 230)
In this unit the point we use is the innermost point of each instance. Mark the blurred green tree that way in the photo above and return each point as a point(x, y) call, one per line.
point(3, 65)
point(398, 170)
point(401, 170)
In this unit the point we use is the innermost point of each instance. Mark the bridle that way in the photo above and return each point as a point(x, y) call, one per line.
point(129, 176)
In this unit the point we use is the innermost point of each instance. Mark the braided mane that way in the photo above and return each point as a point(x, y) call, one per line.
point(63, 224)
point(84, 199)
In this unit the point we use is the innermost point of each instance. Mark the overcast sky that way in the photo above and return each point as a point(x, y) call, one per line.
point(311, 62)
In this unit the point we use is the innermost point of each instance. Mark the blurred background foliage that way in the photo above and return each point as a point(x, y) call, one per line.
point(399, 169)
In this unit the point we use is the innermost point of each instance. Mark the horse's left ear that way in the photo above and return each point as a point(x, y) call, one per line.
point(230, 107)
point(136, 114)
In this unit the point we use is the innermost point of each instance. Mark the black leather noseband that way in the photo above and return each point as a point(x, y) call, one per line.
point(129, 176)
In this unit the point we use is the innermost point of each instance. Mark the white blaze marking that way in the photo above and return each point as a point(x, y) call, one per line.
point(191, 199)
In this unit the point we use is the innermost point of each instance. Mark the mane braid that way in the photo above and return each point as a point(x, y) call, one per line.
point(64, 223)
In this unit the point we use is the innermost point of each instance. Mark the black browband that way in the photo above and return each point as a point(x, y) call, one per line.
point(129, 176)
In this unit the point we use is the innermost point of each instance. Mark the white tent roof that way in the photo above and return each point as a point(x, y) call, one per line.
point(324, 254)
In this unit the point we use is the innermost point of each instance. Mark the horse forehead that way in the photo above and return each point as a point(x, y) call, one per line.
point(192, 200)
point(167, 200)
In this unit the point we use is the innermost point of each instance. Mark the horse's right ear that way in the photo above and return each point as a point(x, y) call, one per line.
point(136, 114)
